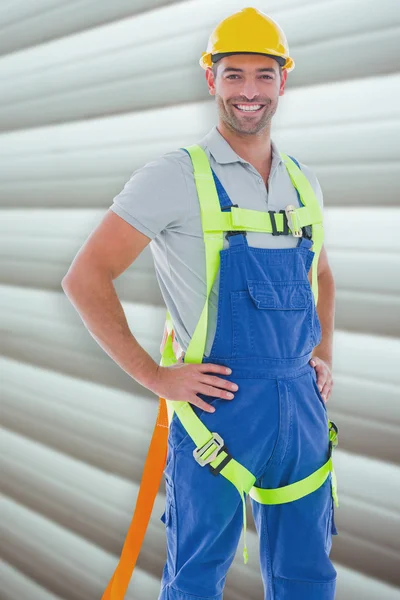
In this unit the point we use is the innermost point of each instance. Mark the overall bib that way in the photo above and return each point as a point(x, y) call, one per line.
point(276, 426)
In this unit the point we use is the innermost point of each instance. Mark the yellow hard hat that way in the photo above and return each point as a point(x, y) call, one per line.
point(247, 31)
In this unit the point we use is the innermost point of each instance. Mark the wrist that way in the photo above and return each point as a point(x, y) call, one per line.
point(152, 379)
point(324, 355)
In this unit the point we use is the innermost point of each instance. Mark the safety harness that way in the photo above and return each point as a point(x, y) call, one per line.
point(210, 450)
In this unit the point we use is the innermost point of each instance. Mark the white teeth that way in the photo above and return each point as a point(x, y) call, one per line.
point(248, 108)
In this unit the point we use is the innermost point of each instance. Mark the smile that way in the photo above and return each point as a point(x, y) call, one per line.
point(249, 108)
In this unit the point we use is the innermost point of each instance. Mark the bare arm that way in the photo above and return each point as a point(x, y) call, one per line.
point(107, 252)
point(325, 308)
point(322, 354)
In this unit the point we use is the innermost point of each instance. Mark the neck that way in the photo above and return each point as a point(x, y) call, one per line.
point(256, 149)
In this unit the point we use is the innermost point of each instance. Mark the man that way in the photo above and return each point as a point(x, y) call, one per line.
point(266, 371)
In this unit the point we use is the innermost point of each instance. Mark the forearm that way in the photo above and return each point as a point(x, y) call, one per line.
point(93, 295)
point(326, 314)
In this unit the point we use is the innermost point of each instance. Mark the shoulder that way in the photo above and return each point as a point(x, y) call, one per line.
point(168, 165)
point(173, 168)
point(155, 197)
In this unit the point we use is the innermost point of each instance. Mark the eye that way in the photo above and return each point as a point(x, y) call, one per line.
point(229, 76)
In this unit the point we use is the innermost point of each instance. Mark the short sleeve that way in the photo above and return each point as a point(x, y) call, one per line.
point(312, 178)
point(318, 193)
point(155, 196)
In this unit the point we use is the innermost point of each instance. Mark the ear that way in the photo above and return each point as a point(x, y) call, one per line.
point(210, 81)
point(283, 82)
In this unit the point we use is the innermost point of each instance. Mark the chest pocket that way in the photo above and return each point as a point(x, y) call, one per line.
point(279, 295)
point(272, 320)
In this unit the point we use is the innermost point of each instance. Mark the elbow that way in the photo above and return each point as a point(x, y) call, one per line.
point(81, 278)
point(67, 284)
point(71, 282)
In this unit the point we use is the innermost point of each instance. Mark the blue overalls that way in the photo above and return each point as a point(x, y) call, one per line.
point(276, 426)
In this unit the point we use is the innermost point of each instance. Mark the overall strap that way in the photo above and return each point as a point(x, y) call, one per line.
point(214, 241)
point(310, 213)
point(297, 191)
point(224, 200)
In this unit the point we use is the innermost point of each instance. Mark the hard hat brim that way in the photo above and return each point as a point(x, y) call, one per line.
point(207, 59)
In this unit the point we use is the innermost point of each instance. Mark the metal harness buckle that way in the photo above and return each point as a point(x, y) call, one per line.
point(290, 211)
point(220, 445)
point(333, 441)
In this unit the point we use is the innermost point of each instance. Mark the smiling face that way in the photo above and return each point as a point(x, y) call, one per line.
point(247, 89)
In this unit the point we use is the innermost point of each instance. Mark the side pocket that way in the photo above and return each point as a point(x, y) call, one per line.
point(314, 381)
point(179, 436)
point(177, 432)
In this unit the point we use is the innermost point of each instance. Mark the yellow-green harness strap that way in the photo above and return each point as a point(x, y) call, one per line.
point(309, 214)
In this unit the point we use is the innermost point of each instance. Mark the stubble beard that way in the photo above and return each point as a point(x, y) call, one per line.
point(245, 126)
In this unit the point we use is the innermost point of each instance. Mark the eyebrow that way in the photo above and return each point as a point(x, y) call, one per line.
point(265, 69)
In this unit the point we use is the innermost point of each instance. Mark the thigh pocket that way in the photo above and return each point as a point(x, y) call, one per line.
point(328, 535)
point(331, 527)
point(272, 319)
point(170, 519)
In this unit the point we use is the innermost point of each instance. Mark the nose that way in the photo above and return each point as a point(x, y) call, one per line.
point(249, 90)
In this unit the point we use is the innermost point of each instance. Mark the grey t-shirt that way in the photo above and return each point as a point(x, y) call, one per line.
point(160, 200)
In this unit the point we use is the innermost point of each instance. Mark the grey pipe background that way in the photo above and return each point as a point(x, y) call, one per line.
point(90, 91)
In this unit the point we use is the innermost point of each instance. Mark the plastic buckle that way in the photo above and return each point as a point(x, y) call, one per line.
point(198, 452)
point(217, 470)
point(273, 223)
point(285, 223)
point(307, 232)
point(236, 232)
point(291, 215)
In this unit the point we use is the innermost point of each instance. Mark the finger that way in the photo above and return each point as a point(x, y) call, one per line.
point(321, 381)
point(210, 390)
point(324, 393)
point(323, 375)
point(213, 368)
point(320, 371)
point(326, 389)
point(218, 382)
point(201, 404)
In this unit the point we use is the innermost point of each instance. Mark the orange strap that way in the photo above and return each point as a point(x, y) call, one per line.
point(149, 485)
